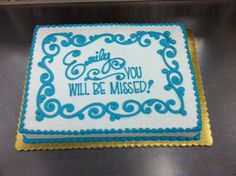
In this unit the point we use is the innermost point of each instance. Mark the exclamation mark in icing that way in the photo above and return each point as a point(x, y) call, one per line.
point(150, 83)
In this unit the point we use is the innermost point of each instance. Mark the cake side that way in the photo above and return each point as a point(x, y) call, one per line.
point(116, 122)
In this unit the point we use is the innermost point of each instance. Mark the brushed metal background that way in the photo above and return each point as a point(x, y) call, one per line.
point(214, 26)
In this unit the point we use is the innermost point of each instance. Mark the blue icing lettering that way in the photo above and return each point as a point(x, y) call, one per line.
point(98, 88)
point(101, 55)
point(75, 70)
point(150, 83)
point(78, 89)
point(133, 72)
point(132, 87)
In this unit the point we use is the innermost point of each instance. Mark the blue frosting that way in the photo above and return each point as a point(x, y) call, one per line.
point(97, 139)
point(75, 70)
point(168, 51)
point(52, 107)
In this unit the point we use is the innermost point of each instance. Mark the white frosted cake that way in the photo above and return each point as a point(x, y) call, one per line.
point(105, 82)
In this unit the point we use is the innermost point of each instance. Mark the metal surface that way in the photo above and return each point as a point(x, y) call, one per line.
point(20, 2)
point(214, 27)
point(27, 2)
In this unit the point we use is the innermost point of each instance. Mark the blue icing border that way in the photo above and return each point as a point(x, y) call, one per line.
point(97, 139)
point(97, 110)
point(102, 131)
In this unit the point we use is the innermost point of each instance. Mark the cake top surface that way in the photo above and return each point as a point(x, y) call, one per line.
point(110, 77)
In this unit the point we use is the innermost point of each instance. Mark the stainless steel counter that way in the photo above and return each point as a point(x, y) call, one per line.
point(214, 26)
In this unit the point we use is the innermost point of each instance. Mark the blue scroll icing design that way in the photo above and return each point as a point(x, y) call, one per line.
point(114, 63)
point(49, 107)
point(52, 107)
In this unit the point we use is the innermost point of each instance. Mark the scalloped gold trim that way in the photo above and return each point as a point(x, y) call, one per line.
point(205, 139)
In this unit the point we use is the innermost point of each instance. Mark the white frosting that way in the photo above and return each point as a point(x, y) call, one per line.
point(35, 136)
point(135, 55)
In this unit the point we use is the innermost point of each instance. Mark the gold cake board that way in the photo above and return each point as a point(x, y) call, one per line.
point(205, 139)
